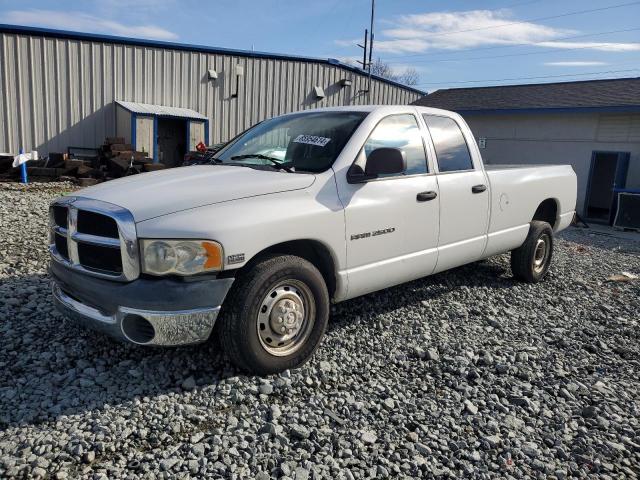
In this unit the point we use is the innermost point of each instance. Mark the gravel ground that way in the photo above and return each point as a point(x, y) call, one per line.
point(463, 374)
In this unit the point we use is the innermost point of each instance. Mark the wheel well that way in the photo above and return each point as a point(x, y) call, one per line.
point(547, 212)
point(311, 250)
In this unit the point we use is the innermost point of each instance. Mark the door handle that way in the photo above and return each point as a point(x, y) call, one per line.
point(426, 196)
point(478, 188)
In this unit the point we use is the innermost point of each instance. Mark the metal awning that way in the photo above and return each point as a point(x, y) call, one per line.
point(160, 110)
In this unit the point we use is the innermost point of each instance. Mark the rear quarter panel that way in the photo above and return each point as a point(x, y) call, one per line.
point(516, 193)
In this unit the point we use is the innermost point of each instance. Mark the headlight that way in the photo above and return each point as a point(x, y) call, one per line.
point(180, 257)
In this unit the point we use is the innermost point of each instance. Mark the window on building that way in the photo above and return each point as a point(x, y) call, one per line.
point(452, 151)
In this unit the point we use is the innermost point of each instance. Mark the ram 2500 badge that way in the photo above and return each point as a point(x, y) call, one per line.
point(299, 211)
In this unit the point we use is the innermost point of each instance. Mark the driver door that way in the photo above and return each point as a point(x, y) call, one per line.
point(392, 222)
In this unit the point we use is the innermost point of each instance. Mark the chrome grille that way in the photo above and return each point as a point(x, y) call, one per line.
point(59, 215)
point(97, 224)
point(95, 237)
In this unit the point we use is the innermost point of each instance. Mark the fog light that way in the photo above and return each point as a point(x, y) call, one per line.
point(138, 329)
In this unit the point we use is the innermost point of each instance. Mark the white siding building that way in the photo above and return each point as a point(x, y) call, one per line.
point(592, 125)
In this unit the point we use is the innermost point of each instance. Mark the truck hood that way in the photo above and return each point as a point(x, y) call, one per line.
point(154, 194)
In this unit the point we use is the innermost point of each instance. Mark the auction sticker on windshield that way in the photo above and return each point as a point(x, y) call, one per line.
point(312, 140)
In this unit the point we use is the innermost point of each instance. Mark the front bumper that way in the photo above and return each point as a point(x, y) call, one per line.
point(164, 312)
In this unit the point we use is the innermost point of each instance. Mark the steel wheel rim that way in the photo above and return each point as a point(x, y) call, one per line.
point(285, 318)
point(541, 253)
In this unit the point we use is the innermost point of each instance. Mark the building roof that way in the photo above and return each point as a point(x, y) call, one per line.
point(160, 110)
point(621, 94)
point(48, 32)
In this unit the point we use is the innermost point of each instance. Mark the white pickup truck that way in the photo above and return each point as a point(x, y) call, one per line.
point(299, 211)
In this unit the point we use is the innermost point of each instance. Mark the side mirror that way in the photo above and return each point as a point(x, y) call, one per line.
point(381, 161)
point(385, 161)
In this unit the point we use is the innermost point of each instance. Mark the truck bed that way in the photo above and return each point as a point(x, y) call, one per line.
point(517, 190)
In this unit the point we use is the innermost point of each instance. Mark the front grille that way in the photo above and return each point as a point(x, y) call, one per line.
point(60, 215)
point(61, 246)
point(84, 238)
point(97, 257)
point(97, 224)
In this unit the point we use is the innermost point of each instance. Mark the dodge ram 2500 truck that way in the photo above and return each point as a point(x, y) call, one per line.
point(299, 211)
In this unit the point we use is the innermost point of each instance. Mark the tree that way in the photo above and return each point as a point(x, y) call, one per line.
point(409, 76)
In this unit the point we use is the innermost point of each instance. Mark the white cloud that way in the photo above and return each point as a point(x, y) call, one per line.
point(603, 47)
point(457, 30)
point(84, 22)
point(575, 64)
point(418, 33)
point(407, 45)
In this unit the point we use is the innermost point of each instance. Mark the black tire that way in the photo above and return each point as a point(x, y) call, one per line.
point(239, 322)
point(528, 263)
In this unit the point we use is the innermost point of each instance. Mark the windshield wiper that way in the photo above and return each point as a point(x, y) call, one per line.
point(277, 163)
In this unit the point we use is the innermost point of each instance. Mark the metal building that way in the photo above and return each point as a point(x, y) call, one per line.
point(61, 89)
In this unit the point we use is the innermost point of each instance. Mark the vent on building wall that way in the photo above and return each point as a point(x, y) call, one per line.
point(319, 92)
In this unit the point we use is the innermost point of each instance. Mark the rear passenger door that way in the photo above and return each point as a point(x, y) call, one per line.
point(464, 194)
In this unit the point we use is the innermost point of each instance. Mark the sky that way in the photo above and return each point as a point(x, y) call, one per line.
point(454, 43)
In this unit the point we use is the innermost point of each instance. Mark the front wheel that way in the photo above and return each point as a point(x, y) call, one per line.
point(530, 262)
point(275, 316)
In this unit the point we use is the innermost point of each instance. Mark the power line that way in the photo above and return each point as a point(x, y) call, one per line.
point(572, 37)
point(500, 25)
point(530, 78)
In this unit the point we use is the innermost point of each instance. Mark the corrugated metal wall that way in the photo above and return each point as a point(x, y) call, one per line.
point(56, 93)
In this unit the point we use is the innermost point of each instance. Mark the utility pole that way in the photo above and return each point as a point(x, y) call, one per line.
point(367, 62)
point(364, 50)
point(373, 9)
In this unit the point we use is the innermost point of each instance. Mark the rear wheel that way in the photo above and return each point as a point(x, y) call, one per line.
point(530, 262)
point(275, 316)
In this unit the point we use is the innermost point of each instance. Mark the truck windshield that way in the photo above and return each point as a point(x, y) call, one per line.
point(308, 142)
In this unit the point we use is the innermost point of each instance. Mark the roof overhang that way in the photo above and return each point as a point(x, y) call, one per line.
point(517, 111)
point(160, 110)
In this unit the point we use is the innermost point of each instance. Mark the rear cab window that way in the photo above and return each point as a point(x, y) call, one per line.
point(452, 151)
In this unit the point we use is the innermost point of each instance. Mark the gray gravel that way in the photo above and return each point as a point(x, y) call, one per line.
point(464, 374)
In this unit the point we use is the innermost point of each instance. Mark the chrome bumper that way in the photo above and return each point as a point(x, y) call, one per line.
point(143, 327)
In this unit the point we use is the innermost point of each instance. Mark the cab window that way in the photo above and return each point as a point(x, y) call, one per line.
point(452, 151)
point(401, 132)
